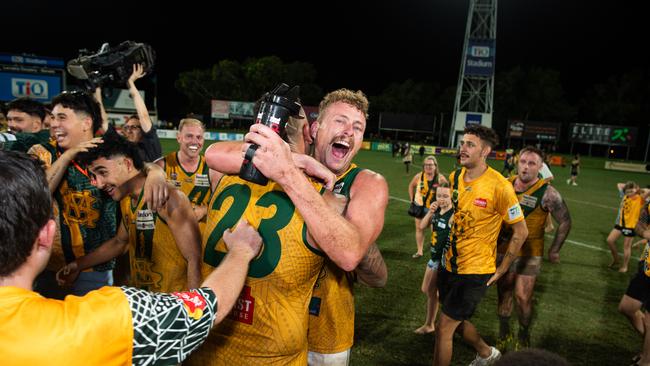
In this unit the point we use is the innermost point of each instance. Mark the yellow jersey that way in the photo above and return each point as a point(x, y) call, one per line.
point(426, 189)
point(155, 261)
point(481, 206)
point(531, 204)
point(95, 329)
point(331, 309)
point(629, 210)
point(195, 185)
point(268, 324)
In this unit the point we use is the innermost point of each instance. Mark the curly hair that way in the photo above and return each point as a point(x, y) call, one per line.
point(356, 99)
point(486, 134)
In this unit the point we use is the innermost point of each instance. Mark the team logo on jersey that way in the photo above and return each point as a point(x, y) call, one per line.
point(145, 220)
point(528, 201)
point(338, 187)
point(480, 202)
point(202, 180)
point(193, 302)
point(514, 211)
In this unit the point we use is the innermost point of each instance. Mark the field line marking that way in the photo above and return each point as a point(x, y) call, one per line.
point(574, 242)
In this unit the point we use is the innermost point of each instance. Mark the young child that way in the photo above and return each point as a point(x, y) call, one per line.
point(628, 215)
point(439, 217)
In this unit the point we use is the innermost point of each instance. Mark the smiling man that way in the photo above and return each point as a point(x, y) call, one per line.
point(186, 168)
point(164, 246)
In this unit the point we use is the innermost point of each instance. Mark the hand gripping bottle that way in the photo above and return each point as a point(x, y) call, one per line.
point(275, 109)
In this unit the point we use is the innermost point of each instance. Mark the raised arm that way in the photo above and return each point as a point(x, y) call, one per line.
point(345, 241)
point(140, 107)
point(185, 229)
point(553, 202)
point(55, 173)
point(100, 100)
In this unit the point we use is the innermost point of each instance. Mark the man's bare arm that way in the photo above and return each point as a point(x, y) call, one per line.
point(372, 270)
point(553, 202)
point(519, 235)
point(185, 229)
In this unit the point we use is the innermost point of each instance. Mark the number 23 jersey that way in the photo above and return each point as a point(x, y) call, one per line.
point(268, 324)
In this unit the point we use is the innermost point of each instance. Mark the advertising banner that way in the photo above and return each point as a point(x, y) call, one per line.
point(603, 134)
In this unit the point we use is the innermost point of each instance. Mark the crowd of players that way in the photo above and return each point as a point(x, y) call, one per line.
point(273, 265)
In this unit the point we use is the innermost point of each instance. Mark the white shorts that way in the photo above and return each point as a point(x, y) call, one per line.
point(329, 359)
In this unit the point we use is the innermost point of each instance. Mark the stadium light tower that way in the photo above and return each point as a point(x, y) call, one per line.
point(474, 94)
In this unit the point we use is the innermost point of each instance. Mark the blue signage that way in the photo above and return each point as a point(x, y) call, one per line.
point(480, 57)
point(36, 86)
point(31, 60)
point(473, 119)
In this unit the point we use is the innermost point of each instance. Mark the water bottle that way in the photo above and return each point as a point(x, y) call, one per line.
point(275, 109)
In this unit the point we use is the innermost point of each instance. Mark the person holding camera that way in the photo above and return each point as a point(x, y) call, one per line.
point(422, 191)
point(138, 128)
point(110, 326)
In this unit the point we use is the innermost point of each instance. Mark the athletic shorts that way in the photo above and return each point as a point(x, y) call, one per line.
point(460, 294)
point(626, 232)
point(526, 266)
point(329, 359)
point(639, 287)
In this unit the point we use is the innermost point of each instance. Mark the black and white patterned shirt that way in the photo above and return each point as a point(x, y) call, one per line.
point(168, 327)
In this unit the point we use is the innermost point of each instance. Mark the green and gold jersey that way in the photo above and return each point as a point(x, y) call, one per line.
point(531, 204)
point(331, 309)
point(268, 324)
point(481, 206)
point(87, 215)
point(195, 185)
point(156, 263)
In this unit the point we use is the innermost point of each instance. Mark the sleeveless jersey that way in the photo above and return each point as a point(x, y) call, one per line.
point(629, 211)
point(156, 263)
point(331, 309)
point(427, 189)
point(95, 329)
point(480, 208)
point(195, 185)
point(268, 324)
point(440, 227)
point(531, 204)
point(87, 215)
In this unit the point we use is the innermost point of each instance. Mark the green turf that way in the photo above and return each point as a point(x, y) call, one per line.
point(575, 303)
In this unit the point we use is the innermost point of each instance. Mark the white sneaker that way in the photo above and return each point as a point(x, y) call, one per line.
point(568, 181)
point(575, 184)
point(489, 360)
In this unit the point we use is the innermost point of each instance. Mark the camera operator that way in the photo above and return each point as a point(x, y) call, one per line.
point(138, 128)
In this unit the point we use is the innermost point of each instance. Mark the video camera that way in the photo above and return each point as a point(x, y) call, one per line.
point(111, 66)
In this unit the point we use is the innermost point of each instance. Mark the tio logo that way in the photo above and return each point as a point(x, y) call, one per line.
point(32, 88)
point(480, 51)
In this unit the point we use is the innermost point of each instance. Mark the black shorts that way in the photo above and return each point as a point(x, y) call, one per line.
point(460, 294)
point(625, 231)
point(639, 287)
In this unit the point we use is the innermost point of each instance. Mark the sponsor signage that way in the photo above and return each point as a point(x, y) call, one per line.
point(603, 134)
point(36, 86)
point(31, 60)
point(480, 57)
point(532, 130)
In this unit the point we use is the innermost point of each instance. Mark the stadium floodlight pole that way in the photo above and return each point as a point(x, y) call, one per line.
point(475, 90)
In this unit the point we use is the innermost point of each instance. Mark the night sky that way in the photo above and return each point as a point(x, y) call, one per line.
point(363, 45)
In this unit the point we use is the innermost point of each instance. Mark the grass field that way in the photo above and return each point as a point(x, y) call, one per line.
point(575, 301)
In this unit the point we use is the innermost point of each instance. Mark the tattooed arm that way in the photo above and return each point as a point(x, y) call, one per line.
point(553, 202)
point(372, 270)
